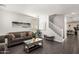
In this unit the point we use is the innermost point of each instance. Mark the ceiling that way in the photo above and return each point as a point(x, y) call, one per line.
point(43, 9)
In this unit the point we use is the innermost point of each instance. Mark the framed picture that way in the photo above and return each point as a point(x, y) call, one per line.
point(21, 24)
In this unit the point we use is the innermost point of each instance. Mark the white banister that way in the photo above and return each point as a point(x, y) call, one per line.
point(57, 29)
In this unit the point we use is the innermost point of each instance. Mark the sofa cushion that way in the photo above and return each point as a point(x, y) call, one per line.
point(23, 34)
point(11, 36)
point(17, 40)
point(17, 35)
point(26, 33)
point(30, 34)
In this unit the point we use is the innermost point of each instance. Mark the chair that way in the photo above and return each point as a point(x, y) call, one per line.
point(3, 44)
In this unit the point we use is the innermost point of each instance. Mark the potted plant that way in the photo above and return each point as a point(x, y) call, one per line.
point(38, 33)
point(33, 37)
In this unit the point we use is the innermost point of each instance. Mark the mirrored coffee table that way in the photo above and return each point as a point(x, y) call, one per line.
point(30, 45)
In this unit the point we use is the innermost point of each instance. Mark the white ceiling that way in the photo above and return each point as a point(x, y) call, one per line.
point(43, 9)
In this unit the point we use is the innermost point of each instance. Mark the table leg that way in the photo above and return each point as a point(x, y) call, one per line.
point(28, 50)
point(42, 43)
point(5, 48)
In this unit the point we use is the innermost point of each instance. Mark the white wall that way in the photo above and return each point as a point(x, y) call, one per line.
point(44, 25)
point(65, 27)
point(73, 18)
point(6, 19)
point(42, 22)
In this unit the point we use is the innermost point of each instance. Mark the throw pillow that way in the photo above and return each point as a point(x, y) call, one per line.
point(23, 35)
point(30, 34)
point(13, 36)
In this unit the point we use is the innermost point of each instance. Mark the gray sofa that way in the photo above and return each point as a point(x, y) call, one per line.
point(15, 38)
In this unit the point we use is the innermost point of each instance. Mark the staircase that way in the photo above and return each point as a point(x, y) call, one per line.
point(57, 31)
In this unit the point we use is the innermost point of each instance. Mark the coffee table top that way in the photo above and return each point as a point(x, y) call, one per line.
point(31, 41)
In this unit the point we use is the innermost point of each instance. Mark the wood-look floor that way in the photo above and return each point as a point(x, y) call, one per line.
point(69, 46)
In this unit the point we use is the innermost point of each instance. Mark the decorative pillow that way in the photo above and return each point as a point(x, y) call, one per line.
point(23, 34)
point(26, 33)
point(13, 36)
point(30, 34)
